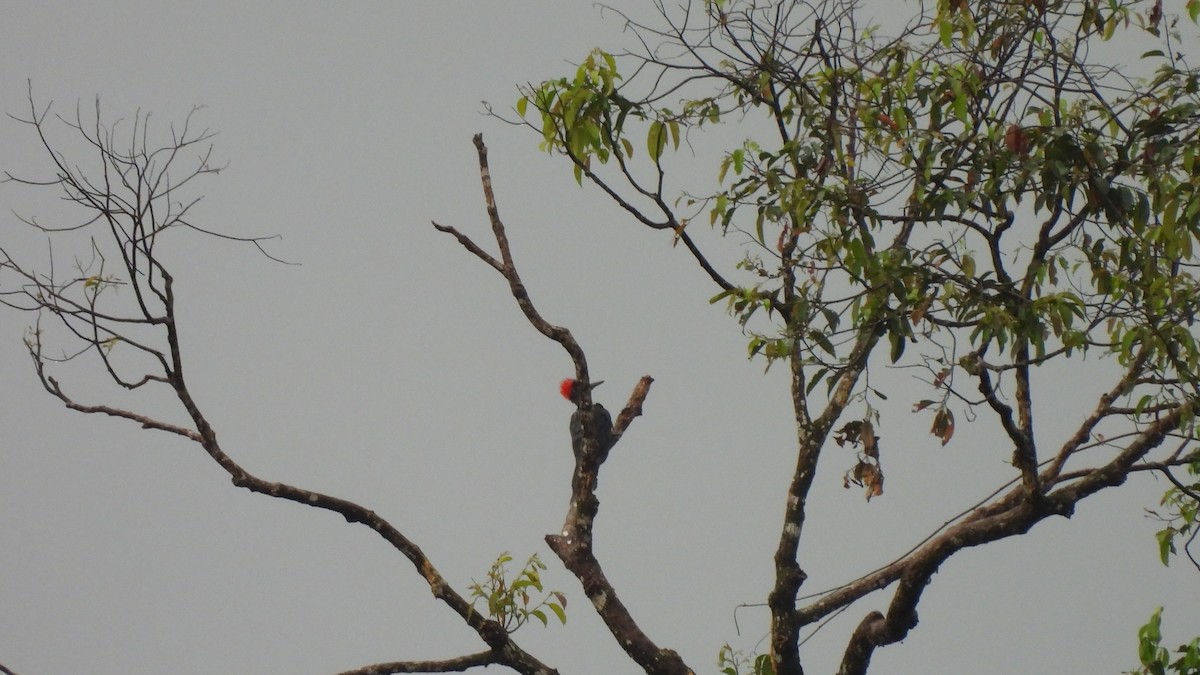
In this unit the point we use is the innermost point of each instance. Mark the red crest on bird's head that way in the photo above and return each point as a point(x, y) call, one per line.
point(572, 389)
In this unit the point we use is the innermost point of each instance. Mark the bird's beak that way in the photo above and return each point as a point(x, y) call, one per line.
point(593, 385)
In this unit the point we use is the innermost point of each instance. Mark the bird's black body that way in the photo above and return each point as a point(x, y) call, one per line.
point(601, 429)
point(602, 425)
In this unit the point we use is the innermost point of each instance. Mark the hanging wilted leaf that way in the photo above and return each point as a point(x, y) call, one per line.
point(865, 474)
point(870, 441)
point(849, 433)
point(872, 480)
point(943, 425)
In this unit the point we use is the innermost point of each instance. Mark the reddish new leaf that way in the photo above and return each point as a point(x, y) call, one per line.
point(1016, 140)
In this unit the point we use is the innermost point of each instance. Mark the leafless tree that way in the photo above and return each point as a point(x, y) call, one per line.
point(133, 196)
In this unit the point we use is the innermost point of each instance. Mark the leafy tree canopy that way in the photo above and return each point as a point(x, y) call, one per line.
point(988, 194)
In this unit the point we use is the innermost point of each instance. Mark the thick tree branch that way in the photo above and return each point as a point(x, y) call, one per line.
point(985, 525)
point(812, 434)
point(574, 544)
point(1025, 456)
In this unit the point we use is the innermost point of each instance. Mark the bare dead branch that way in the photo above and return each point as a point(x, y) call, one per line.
point(455, 665)
point(471, 246)
point(633, 408)
point(574, 545)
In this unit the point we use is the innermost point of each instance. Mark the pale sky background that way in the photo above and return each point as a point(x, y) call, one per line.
point(394, 369)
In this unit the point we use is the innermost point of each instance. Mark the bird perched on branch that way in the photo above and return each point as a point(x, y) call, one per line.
point(602, 425)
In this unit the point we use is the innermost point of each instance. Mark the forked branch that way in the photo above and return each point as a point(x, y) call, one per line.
point(574, 545)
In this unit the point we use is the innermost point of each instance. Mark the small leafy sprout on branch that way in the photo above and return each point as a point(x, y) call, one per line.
point(736, 663)
point(510, 604)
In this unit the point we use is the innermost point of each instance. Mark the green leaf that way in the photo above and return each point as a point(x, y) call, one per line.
point(558, 611)
point(945, 32)
point(960, 108)
point(522, 105)
point(719, 297)
point(755, 346)
point(1110, 27)
point(620, 123)
point(656, 139)
point(719, 209)
point(898, 344)
point(822, 342)
point(968, 266)
point(815, 380)
point(1166, 545)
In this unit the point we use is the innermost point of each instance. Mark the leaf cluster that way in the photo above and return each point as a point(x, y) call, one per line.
point(508, 601)
point(1156, 659)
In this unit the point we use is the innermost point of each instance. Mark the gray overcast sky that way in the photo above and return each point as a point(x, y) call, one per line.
point(393, 369)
